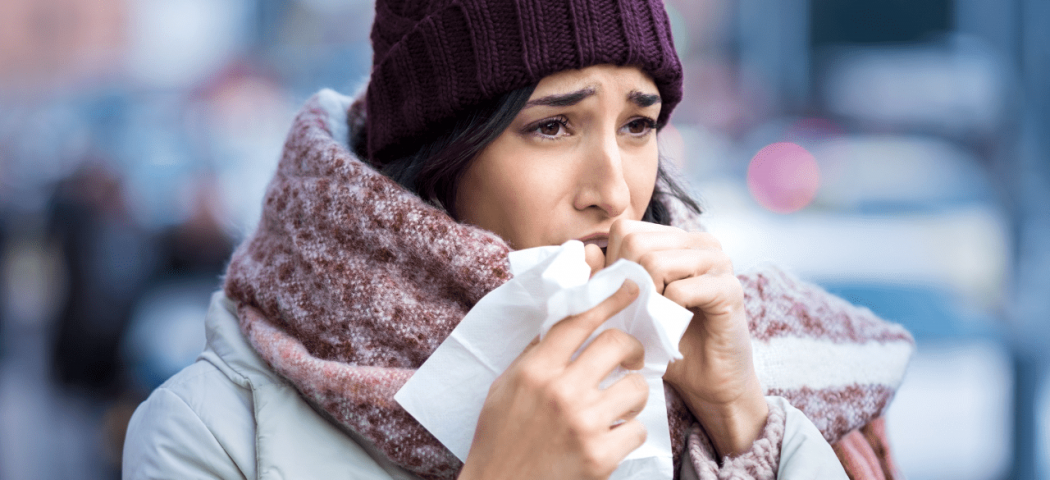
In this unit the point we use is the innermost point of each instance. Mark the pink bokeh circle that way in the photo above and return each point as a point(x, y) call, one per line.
point(783, 177)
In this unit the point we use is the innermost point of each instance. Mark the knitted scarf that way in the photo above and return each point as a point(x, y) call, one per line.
point(350, 282)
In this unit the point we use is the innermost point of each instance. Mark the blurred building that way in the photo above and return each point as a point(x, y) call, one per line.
point(928, 121)
point(51, 42)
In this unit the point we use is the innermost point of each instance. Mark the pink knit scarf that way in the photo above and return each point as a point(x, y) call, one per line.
point(350, 282)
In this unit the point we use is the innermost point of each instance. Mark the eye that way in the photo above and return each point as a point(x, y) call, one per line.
point(640, 126)
point(549, 128)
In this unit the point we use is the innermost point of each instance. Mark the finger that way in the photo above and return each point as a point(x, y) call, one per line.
point(624, 400)
point(623, 228)
point(610, 349)
point(595, 257)
point(624, 438)
point(719, 297)
point(535, 341)
point(566, 336)
point(666, 266)
point(632, 245)
point(524, 353)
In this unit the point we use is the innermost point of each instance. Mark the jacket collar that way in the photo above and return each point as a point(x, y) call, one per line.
point(291, 439)
point(228, 349)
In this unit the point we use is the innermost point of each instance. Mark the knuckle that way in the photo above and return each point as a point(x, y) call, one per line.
point(734, 287)
point(595, 461)
point(499, 382)
point(736, 307)
point(719, 298)
point(561, 394)
point(630, 246)
point(633, 344)
point(675, 291)
point(582, 427)
point(640, 434)
point(731, 291)
point(723, 262)
point(615, 338)
point(651, 262)
point(633, 246)
point(716, 243)
point(710, 241)
point(638, 383)
point(531, 378)
point(587, 423)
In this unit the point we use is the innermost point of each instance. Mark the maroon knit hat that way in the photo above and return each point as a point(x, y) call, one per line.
point(435, 58)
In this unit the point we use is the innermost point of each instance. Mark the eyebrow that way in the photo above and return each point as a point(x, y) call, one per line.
point(562, 100)
point(568, 99)
point(643, 99)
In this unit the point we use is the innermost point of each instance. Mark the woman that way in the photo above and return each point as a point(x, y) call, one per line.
point(506, 125)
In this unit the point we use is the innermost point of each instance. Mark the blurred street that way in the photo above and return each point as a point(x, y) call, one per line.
point(896, 153)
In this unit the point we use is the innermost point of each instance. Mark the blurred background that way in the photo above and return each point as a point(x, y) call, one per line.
point(895, 152)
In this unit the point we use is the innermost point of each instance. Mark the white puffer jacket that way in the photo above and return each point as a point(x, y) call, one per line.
point(230, 416)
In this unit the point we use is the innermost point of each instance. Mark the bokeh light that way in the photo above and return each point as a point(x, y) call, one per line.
point(783, 177)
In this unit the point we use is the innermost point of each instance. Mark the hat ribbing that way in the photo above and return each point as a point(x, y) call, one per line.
point(435, 58)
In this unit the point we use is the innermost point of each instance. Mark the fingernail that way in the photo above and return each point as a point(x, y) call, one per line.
point(629, 286)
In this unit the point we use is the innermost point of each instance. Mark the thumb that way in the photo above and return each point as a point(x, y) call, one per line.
point(595, 258)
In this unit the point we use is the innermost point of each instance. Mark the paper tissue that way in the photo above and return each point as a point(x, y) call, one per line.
point(550, 283)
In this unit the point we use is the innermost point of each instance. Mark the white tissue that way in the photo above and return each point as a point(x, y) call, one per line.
point(550, 283)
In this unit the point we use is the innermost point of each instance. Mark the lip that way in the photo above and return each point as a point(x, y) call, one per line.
point(600, 239)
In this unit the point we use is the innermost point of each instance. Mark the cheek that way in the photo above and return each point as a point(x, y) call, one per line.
point(529, 201)
point(501, 193)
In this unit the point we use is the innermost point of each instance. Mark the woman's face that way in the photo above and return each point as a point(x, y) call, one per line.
point(581, 154)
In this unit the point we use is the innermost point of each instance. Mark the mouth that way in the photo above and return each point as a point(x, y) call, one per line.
point(599, 239)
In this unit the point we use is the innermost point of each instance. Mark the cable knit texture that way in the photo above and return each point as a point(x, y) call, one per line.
point(350, 282)
point(760, 463)
point(434, 58)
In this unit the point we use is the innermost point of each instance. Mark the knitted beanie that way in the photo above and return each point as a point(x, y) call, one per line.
point(433, 59)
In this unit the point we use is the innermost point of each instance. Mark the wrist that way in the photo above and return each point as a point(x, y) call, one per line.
point(733, 426)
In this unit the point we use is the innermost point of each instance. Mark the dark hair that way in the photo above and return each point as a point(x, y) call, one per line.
point(433, 170)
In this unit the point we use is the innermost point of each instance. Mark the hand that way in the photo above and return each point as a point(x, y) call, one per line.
point(545, 416)
point(717, 377)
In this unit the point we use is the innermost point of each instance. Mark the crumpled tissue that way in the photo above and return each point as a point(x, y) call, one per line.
point(448, 391)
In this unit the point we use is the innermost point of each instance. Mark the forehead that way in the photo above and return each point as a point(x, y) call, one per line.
point(600, 78)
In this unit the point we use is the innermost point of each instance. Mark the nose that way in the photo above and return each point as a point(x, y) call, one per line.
point(602, 182)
